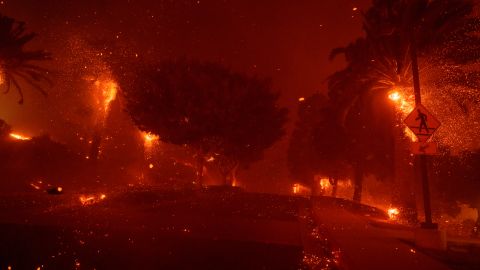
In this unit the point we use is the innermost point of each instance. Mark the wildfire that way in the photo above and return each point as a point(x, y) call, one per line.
point(393, 213)
point(20, 137)
point(91, 199)
point(324, 183)
point(109, 89)
point(35, 186)
point(394, 96)
point(300, 189)
point(296, 188)
point(404, 106)
point(149, 138)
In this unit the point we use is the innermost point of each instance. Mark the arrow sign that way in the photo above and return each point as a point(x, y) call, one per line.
point(422, 123)
point(427, 148)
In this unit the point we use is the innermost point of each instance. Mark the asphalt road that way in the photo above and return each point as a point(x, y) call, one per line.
point(148, 229)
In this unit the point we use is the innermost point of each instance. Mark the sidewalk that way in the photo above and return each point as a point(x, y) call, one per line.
point(365, 245)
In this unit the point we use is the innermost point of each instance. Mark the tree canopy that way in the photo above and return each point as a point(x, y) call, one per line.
point(225, 117)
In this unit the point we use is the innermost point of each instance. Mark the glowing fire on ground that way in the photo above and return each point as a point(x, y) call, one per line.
point(20, 137)
point(91, 199)
point(393, 213)
point(300, 189)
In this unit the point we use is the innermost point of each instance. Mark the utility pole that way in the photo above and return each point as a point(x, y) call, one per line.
point(421, 159)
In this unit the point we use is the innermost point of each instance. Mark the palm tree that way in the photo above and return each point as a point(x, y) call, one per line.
point(16, 63)
point(380, 61)
point(439, 29)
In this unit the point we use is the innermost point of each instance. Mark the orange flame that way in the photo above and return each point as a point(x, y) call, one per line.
point(149, 138)
point(106, 92)
point(20, 137)
point(393, 213)
point(91, 199)
point(404, 107)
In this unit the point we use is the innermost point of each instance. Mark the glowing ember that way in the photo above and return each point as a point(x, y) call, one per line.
point(59, 189)
point(91, 199)
point(324, 183)
point(296, 188)
point(149, 139)
point(35, 186)
point(301, 99)
point(150, 166)
point(20, 137)
point(393, 213)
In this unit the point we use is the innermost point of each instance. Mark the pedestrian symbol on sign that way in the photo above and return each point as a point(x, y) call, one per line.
point(423, 120)
point(422, 123)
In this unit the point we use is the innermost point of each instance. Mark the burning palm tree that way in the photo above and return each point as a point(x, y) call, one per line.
point(16, 62)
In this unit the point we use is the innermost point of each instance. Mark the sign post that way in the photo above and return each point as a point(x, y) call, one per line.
point(423, 124)
point(421, 128)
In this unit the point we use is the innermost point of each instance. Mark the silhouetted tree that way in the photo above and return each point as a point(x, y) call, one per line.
point(5, 129)
point(16, 63)
point(318, 144)
point(441, 29)
point(442, 32)
point(224, 117)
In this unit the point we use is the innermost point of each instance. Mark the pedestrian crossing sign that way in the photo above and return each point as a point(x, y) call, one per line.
point(422, 123)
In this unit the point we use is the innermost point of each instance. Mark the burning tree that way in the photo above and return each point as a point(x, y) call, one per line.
point(16, 63)
point(225, 118)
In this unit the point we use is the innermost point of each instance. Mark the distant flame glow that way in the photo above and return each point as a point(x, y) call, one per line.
point(149, 139)
point(324, 183)
point(91, 199)
point(109, 91)
point(20, 137)
point(393, 213)
point(296, 189)
point(394, 96)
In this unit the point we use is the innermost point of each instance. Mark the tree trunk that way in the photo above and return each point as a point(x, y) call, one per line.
point(233, 174)
point(95, 146)
point(476, 227)
point(334, 187)
point(358, 183)
point(314, 188)
point(199, 169)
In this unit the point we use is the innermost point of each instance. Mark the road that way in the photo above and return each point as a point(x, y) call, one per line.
point(149, 229)
point(155, 229)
